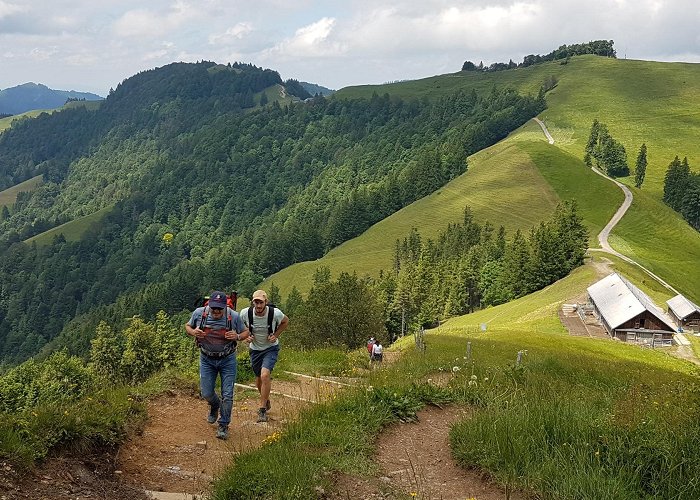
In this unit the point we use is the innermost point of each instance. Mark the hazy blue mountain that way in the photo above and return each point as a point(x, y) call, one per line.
point(28, 96)
point(314, 89)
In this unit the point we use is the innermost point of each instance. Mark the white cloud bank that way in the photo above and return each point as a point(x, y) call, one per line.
point(95, 45)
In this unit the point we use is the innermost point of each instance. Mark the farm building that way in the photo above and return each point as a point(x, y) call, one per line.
point(685, 313)
point(629, 314)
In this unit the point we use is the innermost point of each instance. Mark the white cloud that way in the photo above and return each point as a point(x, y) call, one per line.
point(7, 9)
point(43, 53)
point(313, 40)
point(237, 32)
point(149, 23)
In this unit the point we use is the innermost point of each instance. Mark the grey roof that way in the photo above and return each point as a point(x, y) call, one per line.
point(682, 307)
point(618, 301)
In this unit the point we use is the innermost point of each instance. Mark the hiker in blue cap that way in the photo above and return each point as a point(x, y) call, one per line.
point(217, 328)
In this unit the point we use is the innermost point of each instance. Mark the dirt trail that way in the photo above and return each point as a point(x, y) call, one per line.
point(177, 451)
point(416, 459)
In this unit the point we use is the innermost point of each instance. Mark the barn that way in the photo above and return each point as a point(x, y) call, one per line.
point(628, 314)
point(685, 313)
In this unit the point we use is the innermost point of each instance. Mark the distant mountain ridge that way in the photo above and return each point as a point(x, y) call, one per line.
point(29, 96)
point(314, 89)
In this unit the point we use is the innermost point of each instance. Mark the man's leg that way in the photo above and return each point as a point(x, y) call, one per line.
point(264, 387)
point(227, 367)
point(207, 380)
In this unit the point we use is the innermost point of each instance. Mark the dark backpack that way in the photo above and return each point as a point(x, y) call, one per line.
point(270, 318)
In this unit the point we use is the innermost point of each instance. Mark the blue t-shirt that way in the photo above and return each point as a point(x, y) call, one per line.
point(214, 341)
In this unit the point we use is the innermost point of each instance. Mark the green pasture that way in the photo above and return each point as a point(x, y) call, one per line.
point(559, 425)
point(7, 122)
point(498, 187)
point(656, 237)
point(9, 195)
point(72, 231)
point(516, 183)
point(640, 102)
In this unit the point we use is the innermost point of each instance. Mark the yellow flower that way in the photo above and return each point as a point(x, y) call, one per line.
point(413, 494)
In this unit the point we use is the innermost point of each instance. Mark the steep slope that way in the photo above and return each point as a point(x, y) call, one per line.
point(639, 101)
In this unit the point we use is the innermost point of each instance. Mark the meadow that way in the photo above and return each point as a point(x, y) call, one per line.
point(579, 418)
point(518, 181)
point(9, 195)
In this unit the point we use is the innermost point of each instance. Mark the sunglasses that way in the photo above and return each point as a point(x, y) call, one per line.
point(217, 309)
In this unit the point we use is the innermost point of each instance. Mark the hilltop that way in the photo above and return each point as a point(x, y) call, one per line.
point(641, 103)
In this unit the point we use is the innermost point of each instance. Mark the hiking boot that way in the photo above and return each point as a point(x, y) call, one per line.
point(268, 405)
point(222, 433)
point(262, 415)
point(213, 414)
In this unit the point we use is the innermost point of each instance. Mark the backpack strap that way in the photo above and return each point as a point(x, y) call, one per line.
point(270, 318)
point(203, 320)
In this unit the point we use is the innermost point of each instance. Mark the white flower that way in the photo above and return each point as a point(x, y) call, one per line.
point(455, 369)
point(472, 383)
point(473, 377)
point(370, 388)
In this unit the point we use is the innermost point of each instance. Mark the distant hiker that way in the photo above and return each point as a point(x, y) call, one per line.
point(265, 322)
point(370, 345)
point(377, 352)
point(216, 329)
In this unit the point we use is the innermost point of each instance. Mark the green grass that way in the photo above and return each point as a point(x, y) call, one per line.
point(640, 102)
point(7, 122)
point(9, 195)
point(579, 418)
point(72, 231)
point(499, 187)
point(653, 235)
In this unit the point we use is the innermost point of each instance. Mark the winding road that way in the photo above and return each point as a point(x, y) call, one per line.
point(603, 235)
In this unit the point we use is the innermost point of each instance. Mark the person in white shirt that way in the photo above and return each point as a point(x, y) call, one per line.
point(377, 352)
point(265, 323)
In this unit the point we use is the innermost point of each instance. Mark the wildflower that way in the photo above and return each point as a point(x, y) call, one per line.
point(455, 369)
point(472, 383)
point(473, 377)
point(486, 379)
point(370, 388)
point(414, 494)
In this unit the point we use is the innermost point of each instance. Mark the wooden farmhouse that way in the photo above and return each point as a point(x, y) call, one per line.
point(628, 314)
point(685, 313)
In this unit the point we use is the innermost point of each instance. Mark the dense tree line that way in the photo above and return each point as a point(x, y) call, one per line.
point(471, 266)
point(598, 47)
point(609, 154)
point(682, 191)
point(239, 195)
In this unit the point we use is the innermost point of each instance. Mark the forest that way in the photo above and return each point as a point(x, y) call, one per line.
point(203, 187)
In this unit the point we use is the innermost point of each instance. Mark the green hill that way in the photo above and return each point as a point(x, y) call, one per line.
point(640, 101)
point(9, 195)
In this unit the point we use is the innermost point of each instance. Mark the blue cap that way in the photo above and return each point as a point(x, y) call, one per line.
point(217, 299)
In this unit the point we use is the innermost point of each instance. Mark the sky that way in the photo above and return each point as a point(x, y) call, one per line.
point(92, 46)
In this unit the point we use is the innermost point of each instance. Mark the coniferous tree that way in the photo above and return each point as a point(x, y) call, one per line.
point(676, 182)
point(640, 167)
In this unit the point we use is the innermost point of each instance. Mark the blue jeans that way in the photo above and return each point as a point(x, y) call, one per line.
point(209, 369)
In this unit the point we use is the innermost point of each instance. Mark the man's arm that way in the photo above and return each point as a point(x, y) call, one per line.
point(194, 331)
point(282, 326)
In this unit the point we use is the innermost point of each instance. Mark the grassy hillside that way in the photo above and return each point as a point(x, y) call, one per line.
point(7, 122)
point(563, 424)
point(640, 102)
point(72, 231)
point(9, 195)
point(503, 186)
